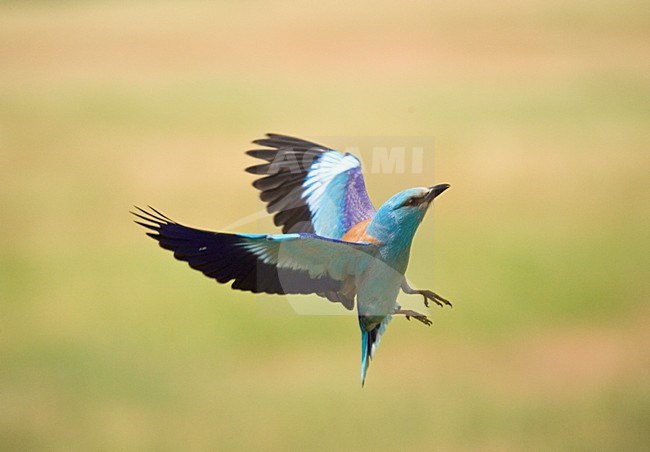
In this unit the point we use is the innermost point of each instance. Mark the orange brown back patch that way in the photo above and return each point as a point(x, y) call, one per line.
point(357, 233)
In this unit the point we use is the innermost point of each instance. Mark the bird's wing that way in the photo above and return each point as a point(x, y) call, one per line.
point(278, 264)
point(309, 187)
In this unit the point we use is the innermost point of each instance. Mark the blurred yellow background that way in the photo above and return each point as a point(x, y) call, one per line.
point(541, 115)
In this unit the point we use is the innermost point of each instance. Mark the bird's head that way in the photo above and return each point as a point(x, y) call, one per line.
point(414, 200)
point(404, 212)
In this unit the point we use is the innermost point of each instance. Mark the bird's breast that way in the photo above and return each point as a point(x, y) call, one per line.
point(377, 289)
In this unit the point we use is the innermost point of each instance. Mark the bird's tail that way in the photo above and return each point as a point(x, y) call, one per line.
point(370, 343)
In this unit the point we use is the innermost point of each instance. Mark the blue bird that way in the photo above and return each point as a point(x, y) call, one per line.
point(334, 243)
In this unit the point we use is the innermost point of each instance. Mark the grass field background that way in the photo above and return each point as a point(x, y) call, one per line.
point(541, 117)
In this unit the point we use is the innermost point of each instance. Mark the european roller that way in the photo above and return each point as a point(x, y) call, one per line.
point(334, 243)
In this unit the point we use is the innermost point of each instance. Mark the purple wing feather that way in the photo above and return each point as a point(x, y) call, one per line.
point(358, 207)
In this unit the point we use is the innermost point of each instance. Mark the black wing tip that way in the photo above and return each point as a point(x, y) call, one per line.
point(269, 137)
point(151, 219)
point(153, 227)
point(261, 169)
point(280, 141)
point(161, 215)
point(154, 236)
point(278, 136)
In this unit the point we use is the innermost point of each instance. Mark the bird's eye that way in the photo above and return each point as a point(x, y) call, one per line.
point(411, 202)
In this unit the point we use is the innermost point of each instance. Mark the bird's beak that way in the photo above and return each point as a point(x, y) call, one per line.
point(435, 191)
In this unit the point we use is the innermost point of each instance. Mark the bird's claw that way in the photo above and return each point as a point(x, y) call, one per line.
point(416, 315)
point(437, 299)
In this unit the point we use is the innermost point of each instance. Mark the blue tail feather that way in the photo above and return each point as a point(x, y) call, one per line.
point(369, 344)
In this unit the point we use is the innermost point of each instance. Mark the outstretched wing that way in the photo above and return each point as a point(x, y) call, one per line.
point(310, 188)
point(278, 264)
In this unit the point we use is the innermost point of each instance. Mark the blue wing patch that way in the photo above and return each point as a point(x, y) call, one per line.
point(310, 188)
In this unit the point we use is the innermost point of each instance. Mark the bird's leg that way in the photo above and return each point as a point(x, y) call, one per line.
point(416, 315)
point(427, 294)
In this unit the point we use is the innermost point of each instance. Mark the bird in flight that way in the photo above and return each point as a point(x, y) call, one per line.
point(334, 243)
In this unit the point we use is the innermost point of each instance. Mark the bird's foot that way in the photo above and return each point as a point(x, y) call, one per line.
point(416, 315)
point(429, 295)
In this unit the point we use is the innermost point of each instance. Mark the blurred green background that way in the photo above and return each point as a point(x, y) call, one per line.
point(541, 115)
